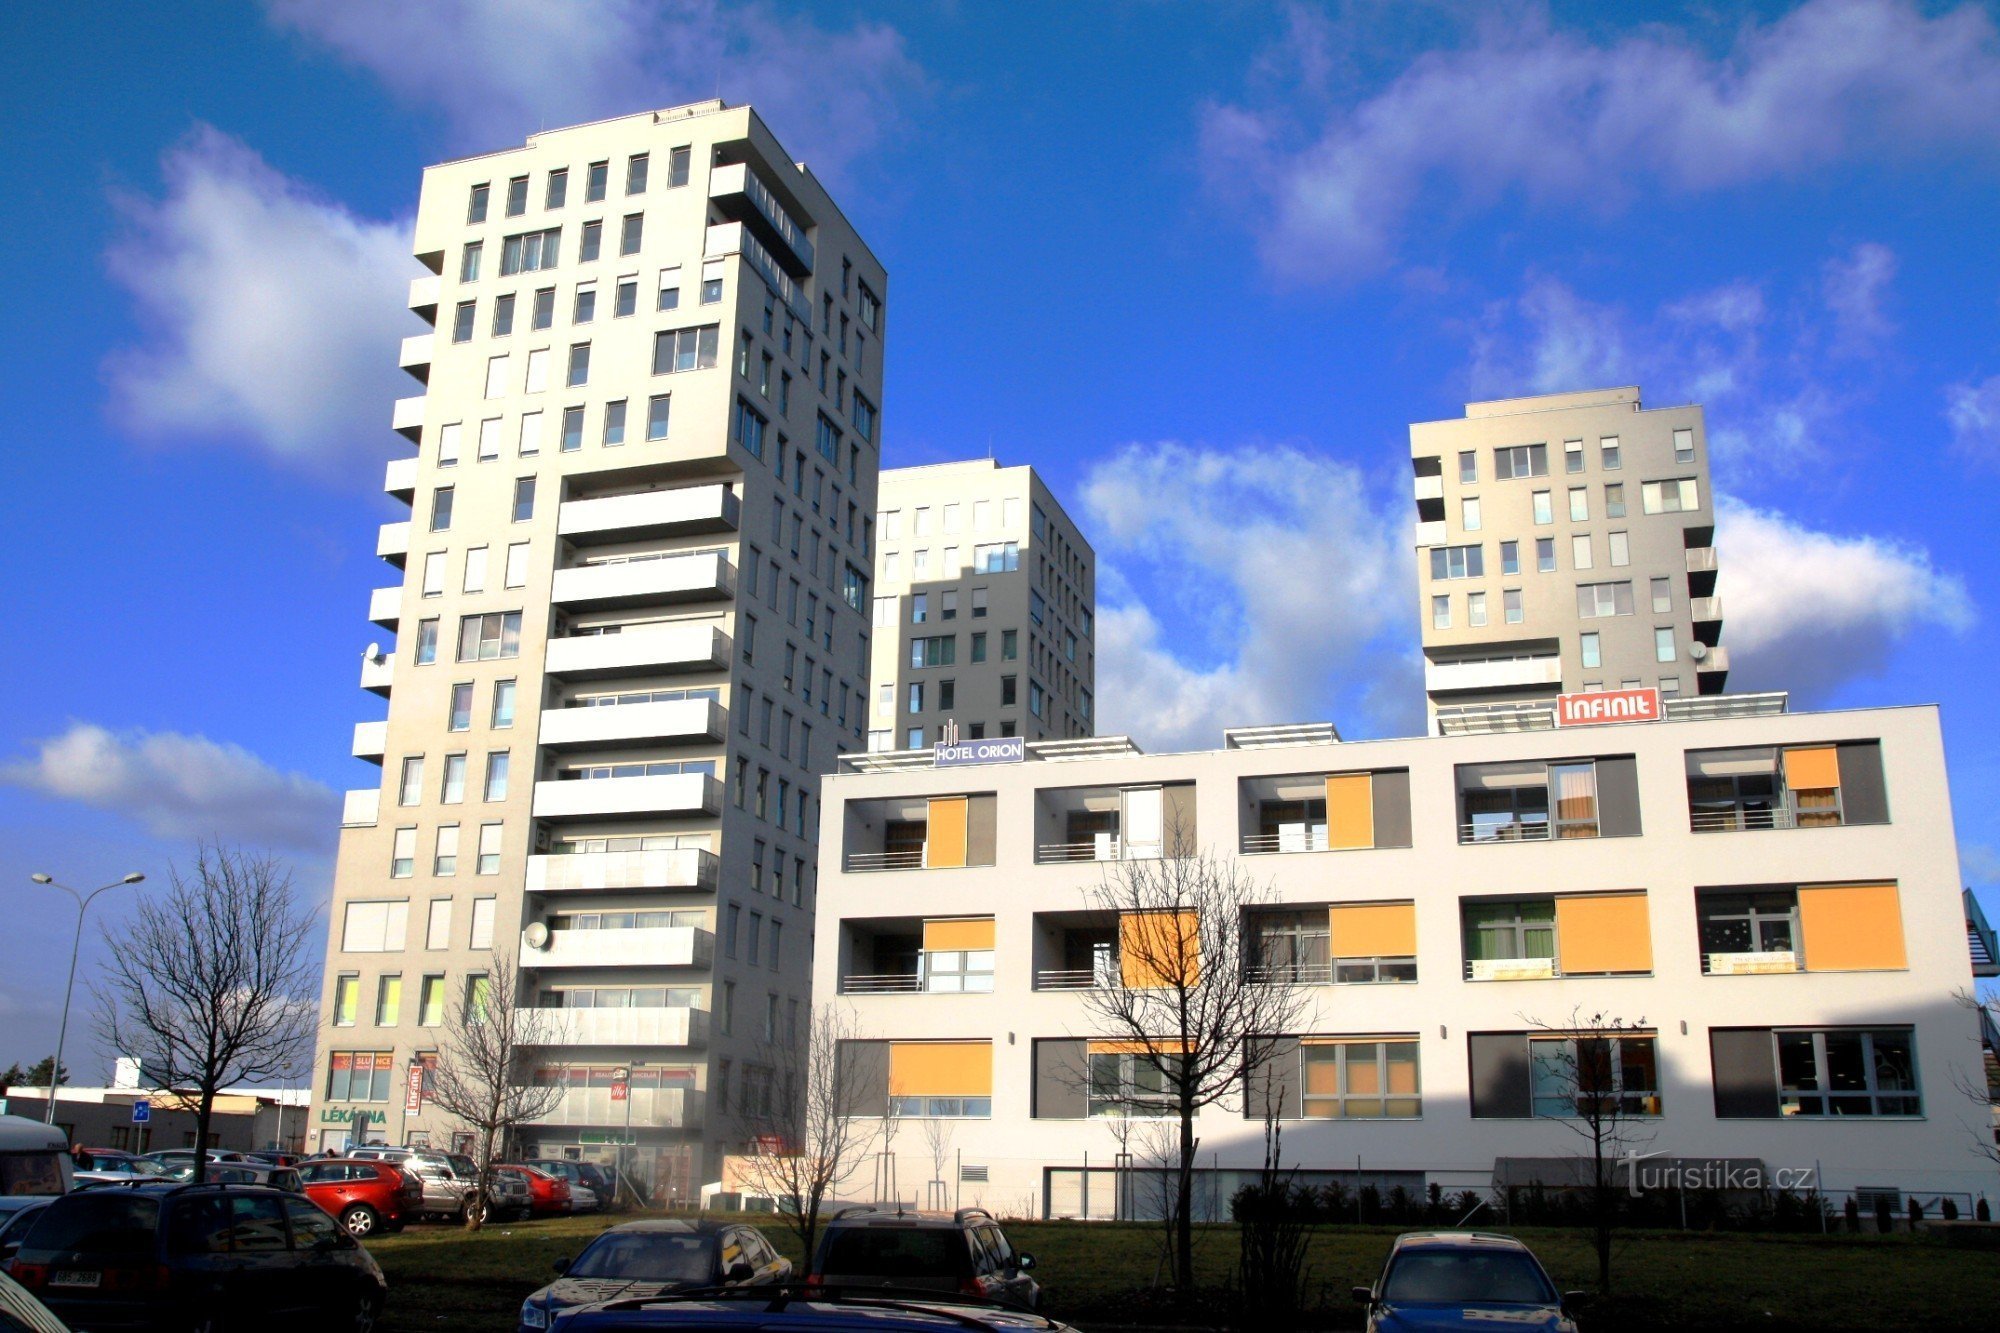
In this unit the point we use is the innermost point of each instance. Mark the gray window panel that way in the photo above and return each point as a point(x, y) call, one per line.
point(1178, 819)
point(864, 1076)
point(1746, 1072)
point(1501, 1085)
point(1391, 790)
point(981, 829)
point(1278, 1082)
point(1864, 797)
point(1618, 796)
point(1061, 1080)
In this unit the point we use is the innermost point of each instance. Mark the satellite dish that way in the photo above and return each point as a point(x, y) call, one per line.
point(536, 935)
point(1697, 650)
point(374, 653)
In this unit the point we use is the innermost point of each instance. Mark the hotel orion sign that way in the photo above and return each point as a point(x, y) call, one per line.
point(1606, 706)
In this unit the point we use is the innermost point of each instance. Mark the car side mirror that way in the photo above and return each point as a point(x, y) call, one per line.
point(561, 1266)
point(1362, 1295)
point(739, 1272)
point(1024, 1261)
point(1572, 1297)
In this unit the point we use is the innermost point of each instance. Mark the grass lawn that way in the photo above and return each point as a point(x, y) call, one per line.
point(445, 1280)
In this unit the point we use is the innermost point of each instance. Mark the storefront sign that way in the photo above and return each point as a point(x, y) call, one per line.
point(413, 1090)
point(1002, 750)
point(345, 1115)
point(1591, 710)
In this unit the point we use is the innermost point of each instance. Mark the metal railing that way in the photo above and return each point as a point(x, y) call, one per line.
point(1512, 831)
point(1086, 978)
point(1050, 853)
point(1290, 974)
point(1510, 969)
point(858, 862)
point(1750, 962)
point(1743, 817)
point(883, 983)
point(1309, 840)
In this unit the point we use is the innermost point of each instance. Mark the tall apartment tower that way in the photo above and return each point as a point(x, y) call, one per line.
point(631, 632)
point(985, 609)
point(1565, 544)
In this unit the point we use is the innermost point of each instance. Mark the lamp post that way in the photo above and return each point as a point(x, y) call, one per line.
point(83, 901)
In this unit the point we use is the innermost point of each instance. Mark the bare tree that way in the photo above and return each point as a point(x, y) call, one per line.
point(1609, 1096)
point(937, 1143)
point(1981, 1084)
point(810, 1135)
point(479, 1081)
point(209, 984)
point(1187, 1012)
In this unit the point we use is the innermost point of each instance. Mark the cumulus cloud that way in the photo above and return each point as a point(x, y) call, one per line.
point(1275, 583)
point(181, 786)
point(1973, 412)
point(517, 65)
point(1808, 610)
point(1527, 110)
point(271, 315)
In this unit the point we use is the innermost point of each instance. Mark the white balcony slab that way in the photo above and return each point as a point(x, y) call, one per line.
point(675, 868)
point(678, 578)
point(378, 674)
point(1705, 608)
point(392, 543)
point(1430, 488)
point(415, 354)
point(407, 419)
point(361, 809)
point(385, 607)
point(634, 724)
point(1442, 677)
point(399, 478)
point(644, 648)
point(425, 292)
point(621, 1027)
point(672, 794)
point(1717, 659)
point(653, 946)
point(1432, 534)
point(676, 510)
point(371, 740)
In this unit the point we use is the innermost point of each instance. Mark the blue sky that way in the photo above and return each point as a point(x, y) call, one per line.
point(1129, 243)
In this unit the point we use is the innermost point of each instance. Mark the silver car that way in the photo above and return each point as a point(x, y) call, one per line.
point(448, 1180)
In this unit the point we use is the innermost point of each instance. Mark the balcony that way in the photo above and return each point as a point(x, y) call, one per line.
point(400, 478)
point(1493, 673)
point(676, 868)
point(647, 1108)
point(1077, 978)
point(885, 983)
point(641, 649)
point(361, 809)
point(671, 794)
point(696, 576)
point(743, 197)
point(1290, 974)
point(392, 543)
point(408, 418)
point(415, 356)
point(385, 607)
point(634, 724)
point(371, 741)
point(734, 238)
point(1512, 830)
point(652, 946)
point(905, 858)
point(1747, 818)
point(1308, 839)
point(678, 1026)
point(1714, 662)
point(378, 674)
point(1749, 964)
point(664, 513)
point(1102, 847)
point(1432, 534)
point(1701, 570)
point(425, 293)
point(1430, 488)
point(1707, 615)
point(1510, 969)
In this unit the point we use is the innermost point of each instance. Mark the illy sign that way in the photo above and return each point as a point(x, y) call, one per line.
point(1590, 710)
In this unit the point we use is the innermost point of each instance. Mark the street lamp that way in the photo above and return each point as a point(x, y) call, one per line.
point(76, 942)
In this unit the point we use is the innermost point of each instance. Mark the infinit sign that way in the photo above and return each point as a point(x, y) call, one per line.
point(1000, 750)
point(1589, 710)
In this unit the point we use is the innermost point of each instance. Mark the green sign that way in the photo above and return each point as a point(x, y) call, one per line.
point(346, 1115)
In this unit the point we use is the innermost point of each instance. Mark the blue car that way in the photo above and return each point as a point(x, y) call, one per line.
point(1464, 1280)
point(808, 1308)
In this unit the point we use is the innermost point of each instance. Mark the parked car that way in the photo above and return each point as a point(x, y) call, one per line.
point(449, 1180)
point(181, 1156)
point(241, 1173)
point(649, 1258)
point(367, 1197)
point(804, 1309)
point(580, 1175)
point(16, 1226)
point(963, 1252)
point(274, 1158)
point(34, 1162)
point(20, 1312)
point(119, 1170)
point(171, 1257)
point(101, 1159)
point(1463, 1280)
point(547, 1193)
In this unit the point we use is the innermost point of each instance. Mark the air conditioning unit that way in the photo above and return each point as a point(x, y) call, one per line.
point(1751, 964)
point(1512, 969)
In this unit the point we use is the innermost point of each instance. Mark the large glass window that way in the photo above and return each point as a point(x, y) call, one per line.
point(1578, 1076)
point(1292, 948)
point(1360, 1080)
point(1458, 562)
point(1848, 1072)
point(1131, 1084)
point(1505, 930)
point(1521, 460)
point(488, 637)
point(1760, 922)
point(958, 970)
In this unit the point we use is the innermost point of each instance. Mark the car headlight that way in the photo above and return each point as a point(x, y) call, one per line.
point(534, 1316)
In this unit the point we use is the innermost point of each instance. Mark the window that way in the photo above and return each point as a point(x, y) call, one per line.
point(1847, 1072)
point(1663, 596)
point(996, 557)
point(478, 992)
point(1593, 655)
point(1545, 555)
point(1669, 497)
point(979, 604)
point(1614, 500)
point(503, 316)
point(485, 638)
point(1010, 640)
point(498, 762)
point(631, 232)
point(544, 310)
point(941, 650)
point(388, 1001)
point(524, 499)
point(677, 167)
point(1510, 930)
point(468, 262)
point(411, 789)
point(1007, 691)
point(572, 429)
point(1579, 504)
point(916, 696)
point(1458, 562)
point(711, 290)
point(434, 571)
point(1577, 1076)
point(489, 849)
point(594, 178)
point(1663, 645)
point(453, 791)
point(538, 371)
point(1441, 611)
point(430, 1002)
point(530, 442)
point(1475, 609)
point(1468, 467)
point(461, 321)
point(1544, 507)
point(427, 641)
point(441, 509)
point(375, 927)
point(403, 854)
point(557, 191)
point(1358, 1080)
point(461, 706)
point(579, 366)
point(1510, 603)
point(920, 603)
point(1621, 549)
point(750, 425)
point(1468, 515)
point(1572, 456)
point(1510, 557)
point(359, 1076)
point(656, 416)
point(1758, 922)
point(1579, 551)
point(503, 703)
point(448, 438)
point(517, 196)
point(1684, 446)
point(1609, 453)
point(482, 923)
point(592, 244)
point(346, 999)
point(1130, 1084)
point(584, 309)
point(445, 861)
point(614, 422)
point(489, 432)
point(475, 208)
point(1521, 460)
point(530, 252)
point(676, 350)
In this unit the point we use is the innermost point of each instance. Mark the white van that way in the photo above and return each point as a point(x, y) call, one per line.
point(34, 1163)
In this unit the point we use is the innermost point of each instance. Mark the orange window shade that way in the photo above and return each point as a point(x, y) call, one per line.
point(1159, 949)
point(940, 1069)
point(974, 933)
point(1322, 1076)
point(1363, 1078)
point(1851, 927)
point(1350, 810)
point(1402, 1076)
point(1813, 769)
point(945, 834)
point(1604, 933)
point(1164, 1045)
point(1373, 930)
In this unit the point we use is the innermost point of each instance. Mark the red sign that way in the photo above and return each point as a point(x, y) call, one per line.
point(618, 1091)
point(413, 1090)
point(1592, 710)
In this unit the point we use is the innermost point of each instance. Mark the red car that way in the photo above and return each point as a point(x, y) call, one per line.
point(366, 1197)
point(549, 1194)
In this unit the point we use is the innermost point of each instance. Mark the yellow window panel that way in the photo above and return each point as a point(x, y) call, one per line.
point(1604, 933)
point(1157, 949)
point(1813, 769)
point(1852, 927)
point(968, 933)
point(940, 1069)
point(1373, 930)
point(1163, 1045)
point(945, 833)
point(1350, 810)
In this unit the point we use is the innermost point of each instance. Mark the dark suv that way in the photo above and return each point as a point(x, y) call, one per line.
point(165, 1256)
point(963, 1252)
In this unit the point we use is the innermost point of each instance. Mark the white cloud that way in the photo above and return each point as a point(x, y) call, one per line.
point(1526, 109)
point(1807, 610)
point(271, 315)
point(512, 66)
point(1855, 286)
point(1973, 412)
point(181, 786)
point(1980, 862)
point(1273, 586)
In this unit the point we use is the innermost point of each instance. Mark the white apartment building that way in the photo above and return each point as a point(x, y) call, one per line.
point(630, 609)
point(985, 609)
point(1565, 544)
point(1769, 900)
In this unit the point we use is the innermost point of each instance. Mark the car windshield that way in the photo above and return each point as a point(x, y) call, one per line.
point(895, 1252)
point(1463, 1277)
point(19, 1224)
point(100, 1222)
point(36, 1172)
point(642, 1256)
point(462, 1165)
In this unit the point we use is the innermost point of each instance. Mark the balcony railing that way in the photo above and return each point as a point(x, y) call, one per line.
point(1514, 830)
point(661, 868)
point(1750, 964)
point(863, 862)
point(361, 808)
point(385, 607)
point(1742, 818)
point(1085, 978)
point(1303, 840)
point(1510, 969)
point(884, 983)
point(1099, 849)
point(1290, 974)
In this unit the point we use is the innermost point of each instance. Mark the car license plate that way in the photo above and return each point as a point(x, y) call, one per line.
point(74, 1277)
